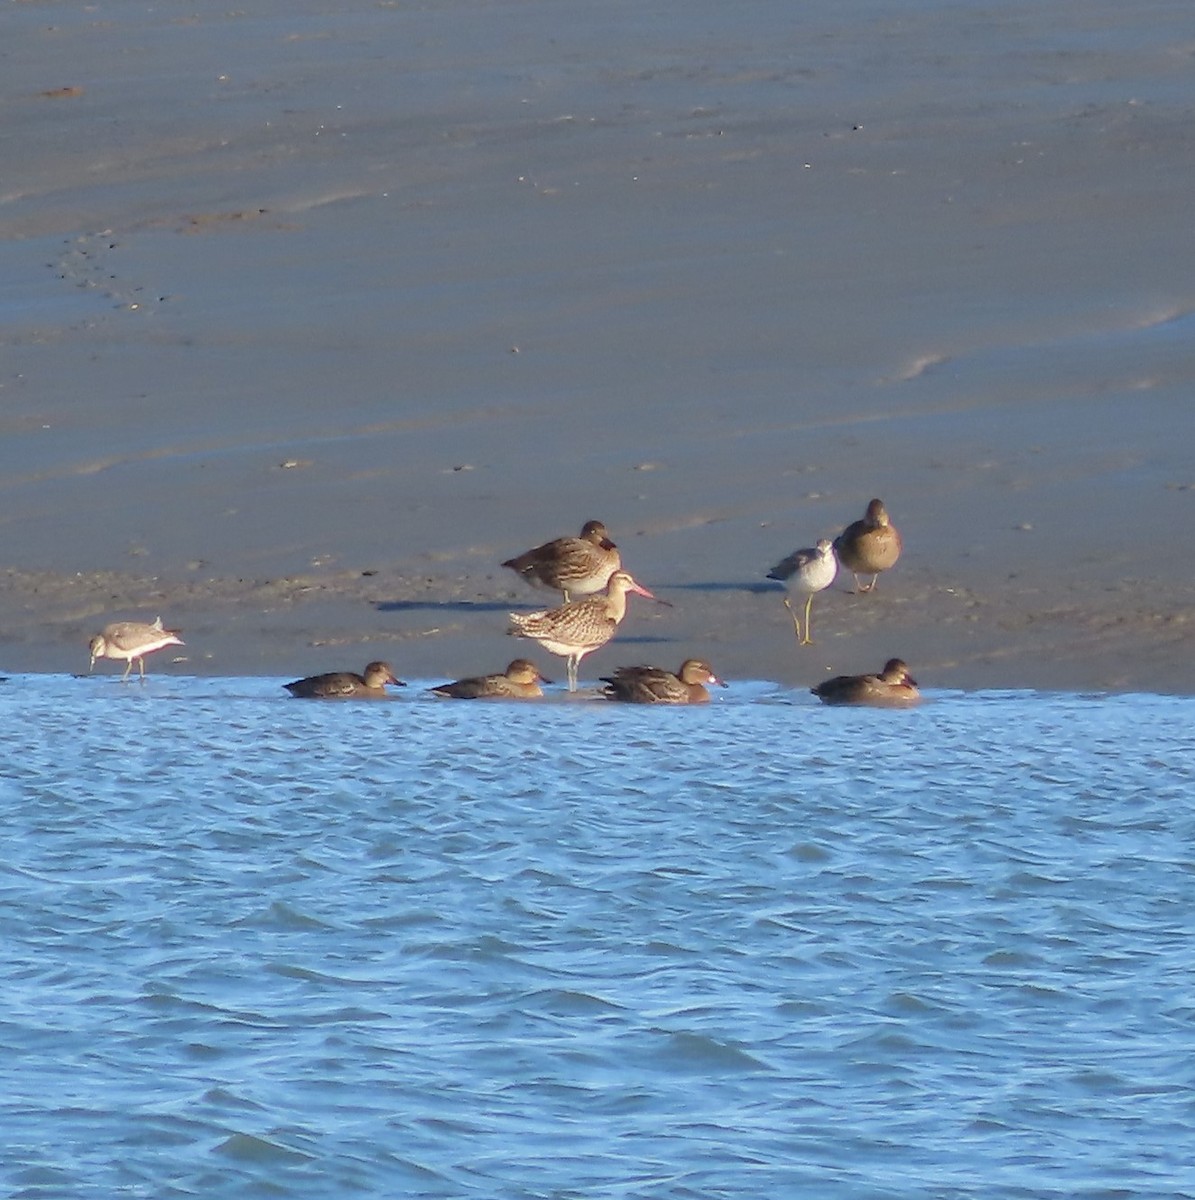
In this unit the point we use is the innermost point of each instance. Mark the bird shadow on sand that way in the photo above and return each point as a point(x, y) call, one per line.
point(446, 605)
point(764, 588)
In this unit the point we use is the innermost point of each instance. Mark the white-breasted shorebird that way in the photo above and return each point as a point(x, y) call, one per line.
point(893, 686)
point(346, 684)
point(804, 573)
point(132, 641)
point(578, 628)
point(573, 566)
point(654, 685)
point(869, 545)
point(520, 681)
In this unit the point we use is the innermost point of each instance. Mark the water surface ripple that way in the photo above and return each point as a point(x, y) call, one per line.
point(263, 947)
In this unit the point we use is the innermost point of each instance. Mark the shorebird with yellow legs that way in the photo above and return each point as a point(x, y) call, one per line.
point(805, 573)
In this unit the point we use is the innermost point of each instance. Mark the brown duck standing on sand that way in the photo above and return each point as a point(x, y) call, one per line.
point(576, 629)
point(344, 684)
point(654, 685)
point(132, 641)
point(573, 566)
point(869, 546)
point(520, 681)
point(893, 686)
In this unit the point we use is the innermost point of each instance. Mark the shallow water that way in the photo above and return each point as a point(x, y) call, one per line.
point(257, 946)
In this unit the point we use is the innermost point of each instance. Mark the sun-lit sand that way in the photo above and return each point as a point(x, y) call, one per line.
point(313, 315)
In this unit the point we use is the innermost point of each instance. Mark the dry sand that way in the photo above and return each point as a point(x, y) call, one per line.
point(313, 313)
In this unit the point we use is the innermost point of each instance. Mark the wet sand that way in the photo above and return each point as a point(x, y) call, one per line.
point(313, 316)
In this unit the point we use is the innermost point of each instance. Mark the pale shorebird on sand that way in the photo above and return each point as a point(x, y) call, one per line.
point(132, 641)
point(520, 681)
point(573, 566)
point(869, 546)
point(803, 573)
point(893, 686)
point(576, 629)
point(344, 684)
point(654, 685)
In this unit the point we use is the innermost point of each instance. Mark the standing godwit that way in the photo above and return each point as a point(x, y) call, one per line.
point(573, 566)
point(578, 628)
point(803, 573)
point(869, 546)
point(654, 685)
point(131, 640)
point(892, 686)
point(520, 681)
point(342, 684)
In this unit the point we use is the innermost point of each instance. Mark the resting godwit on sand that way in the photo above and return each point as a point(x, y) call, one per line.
point(803, 573)
point(342, 684)
point(892, 686)
point(574, 566)
point(520, 681)
point(869, 546)
point(576, 629)
point(654, 685)
point(131, 640)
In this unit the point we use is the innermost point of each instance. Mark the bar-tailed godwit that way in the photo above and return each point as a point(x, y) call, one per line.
point(869, 546)
point(892, 686)
point(803, 573)
point(654, 685)
point(578, 628)
point(371, 683)
point(132, 641)
point(520, 681)
point(573, 566)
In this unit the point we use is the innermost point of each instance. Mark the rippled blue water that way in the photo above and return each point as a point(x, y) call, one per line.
point(255, 946)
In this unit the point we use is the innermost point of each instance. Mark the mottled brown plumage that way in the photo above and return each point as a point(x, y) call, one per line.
point(654, 685)
point(893, 686)
point(346, 684)
point(578, 628)
point(869, 546)
point(573, 566)
point(520, 681)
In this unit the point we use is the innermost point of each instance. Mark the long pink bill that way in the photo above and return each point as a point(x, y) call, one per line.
point(642, 591)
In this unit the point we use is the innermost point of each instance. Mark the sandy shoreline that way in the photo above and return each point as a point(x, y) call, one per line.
point(443, 624)
point(313, 317)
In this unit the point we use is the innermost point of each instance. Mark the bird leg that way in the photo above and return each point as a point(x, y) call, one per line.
point(796, 620)
point(807, 640)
